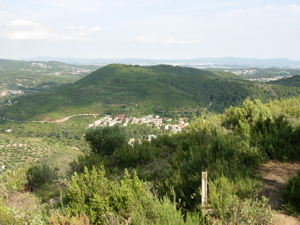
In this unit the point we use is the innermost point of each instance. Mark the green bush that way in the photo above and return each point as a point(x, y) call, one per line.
point(57, 219)
point(290, 194)
point(14, 180)
point(7, 216)
point(40, 174)
point(15, 216)
point(95, 195)
point(221, 197)
point(243, 118)
point(154, 211)
point(131, 156)
point(246, 211)
point(278, 139)
point(104, 140)
point(86, 161)
point(227, 207)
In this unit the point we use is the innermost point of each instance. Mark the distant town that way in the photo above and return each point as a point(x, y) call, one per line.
point(241, 72)
point(72, 70)
point(150, 120)
point(269, 79)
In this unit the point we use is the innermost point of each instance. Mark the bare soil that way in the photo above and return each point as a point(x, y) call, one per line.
point(275, 175)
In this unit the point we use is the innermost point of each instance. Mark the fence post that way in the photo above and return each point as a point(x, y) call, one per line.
point(204, 188)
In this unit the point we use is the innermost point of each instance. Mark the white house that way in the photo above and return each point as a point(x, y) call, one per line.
point(151, 136)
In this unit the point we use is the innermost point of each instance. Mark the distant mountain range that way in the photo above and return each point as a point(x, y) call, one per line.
point(231, 62)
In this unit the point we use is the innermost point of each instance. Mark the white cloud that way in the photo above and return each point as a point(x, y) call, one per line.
point(42, 33)
point(81, 28)
point(96, 29)
point(23, 24)
point(34, 34)
point(19, 29)
point(4, 16)
point(69, 27)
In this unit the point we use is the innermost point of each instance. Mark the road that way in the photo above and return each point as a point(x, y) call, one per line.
point(56, 121)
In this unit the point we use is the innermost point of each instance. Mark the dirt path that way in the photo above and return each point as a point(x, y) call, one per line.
point(275, 175)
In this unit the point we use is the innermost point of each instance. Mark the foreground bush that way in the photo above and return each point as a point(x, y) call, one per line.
point(228, 208)
point(7, 216)
point(15, 216)
point(119, 202)
point(57, 219)
point(93, 194)
point(14, 180)
point(152, 210)
point(291, 194)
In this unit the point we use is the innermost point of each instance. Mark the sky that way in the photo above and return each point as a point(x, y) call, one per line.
point(150, 29)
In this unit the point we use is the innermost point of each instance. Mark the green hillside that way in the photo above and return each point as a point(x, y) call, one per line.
point(130, 89)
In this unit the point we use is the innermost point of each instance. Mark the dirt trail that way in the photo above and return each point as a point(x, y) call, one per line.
point(275, 175)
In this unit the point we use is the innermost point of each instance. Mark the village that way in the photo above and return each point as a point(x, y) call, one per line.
point(155, 121)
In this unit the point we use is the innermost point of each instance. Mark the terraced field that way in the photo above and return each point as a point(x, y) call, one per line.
point(21, 152)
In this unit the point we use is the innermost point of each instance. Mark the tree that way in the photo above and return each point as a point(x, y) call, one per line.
point(104, 140)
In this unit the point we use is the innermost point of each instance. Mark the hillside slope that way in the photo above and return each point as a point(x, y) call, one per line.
point(118, 88)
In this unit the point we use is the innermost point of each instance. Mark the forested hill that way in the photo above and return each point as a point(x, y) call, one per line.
point(130, 89)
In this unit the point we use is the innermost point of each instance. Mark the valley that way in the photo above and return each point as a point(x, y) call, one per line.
point(148, 132)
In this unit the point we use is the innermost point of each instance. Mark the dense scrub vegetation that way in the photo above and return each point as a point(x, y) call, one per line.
point(159, 182)
point(116, 89)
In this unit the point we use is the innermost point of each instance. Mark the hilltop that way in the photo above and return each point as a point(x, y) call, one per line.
point(119, 88)
point(224, 62)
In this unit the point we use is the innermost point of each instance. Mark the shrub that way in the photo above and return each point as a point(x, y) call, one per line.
point(243, 118)
point(221, 197)
point(86, 161)
point(57, 219)
point(277, 138)
point(93, 194)
point(227, 207)
point(14, 180)
point(16, 216)
point(138, 154)
point(246, 212)
point(155, 211)
point(7, 216)
point(40, 174)
point(104, 140)
point(291, 194)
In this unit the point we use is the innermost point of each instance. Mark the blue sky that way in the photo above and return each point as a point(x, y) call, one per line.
point(156, 29)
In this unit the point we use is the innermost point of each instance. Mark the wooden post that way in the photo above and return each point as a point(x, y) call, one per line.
point(204, 188)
